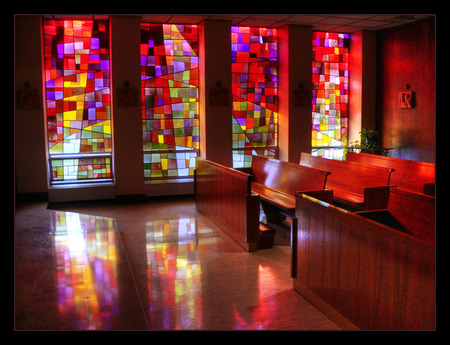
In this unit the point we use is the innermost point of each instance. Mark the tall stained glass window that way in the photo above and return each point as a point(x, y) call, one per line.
point(170, 108)
point(330, 94)
point(78, 103)
point(254, 54)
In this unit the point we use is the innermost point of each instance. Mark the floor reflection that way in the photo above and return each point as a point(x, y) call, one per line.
point(160, 266)
point(173, 274)
point(221, 289)
point(262, 315)
point(85, 248)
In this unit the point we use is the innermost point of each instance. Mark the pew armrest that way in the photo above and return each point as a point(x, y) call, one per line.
point(376, 198)
point(323, 195)
point(429, 189)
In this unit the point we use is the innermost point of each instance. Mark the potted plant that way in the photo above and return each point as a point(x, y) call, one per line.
point(369, 142)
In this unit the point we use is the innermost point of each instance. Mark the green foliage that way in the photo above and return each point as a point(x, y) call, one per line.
point(369, 142)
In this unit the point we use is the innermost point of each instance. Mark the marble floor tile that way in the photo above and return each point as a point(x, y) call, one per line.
point(157, 265)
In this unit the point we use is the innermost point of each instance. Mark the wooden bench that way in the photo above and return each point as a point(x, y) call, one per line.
point(372, 269)
point(224, 195)
point(418, 177)
point(355, 186)
point(277, 181)
point(411, 213)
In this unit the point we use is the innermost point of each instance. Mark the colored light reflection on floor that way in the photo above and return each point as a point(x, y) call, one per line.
point(262, 315)
point(174, 274)
point(86, 269)
point(157, 266)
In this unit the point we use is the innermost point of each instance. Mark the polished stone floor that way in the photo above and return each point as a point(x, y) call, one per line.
point(157, 265)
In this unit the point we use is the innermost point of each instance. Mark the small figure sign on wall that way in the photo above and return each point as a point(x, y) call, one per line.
point(406, 99)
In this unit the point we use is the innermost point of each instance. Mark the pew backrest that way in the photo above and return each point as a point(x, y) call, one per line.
point(351, 176)
point(408, 175)
point(415, 212)
point(287, 177)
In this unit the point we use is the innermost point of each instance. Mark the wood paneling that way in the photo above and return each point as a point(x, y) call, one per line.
point(376, 276)
point(287, 177)
point(277, 182)
point(408, 175)
point(224, 194)
point(406, 56)
point(358, 185)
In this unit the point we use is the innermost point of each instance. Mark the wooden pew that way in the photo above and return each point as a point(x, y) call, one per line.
point(364, 273)
point(224, 195)
point(412, 213)
point(277, 182)
point(418, 177)
point(355, 186)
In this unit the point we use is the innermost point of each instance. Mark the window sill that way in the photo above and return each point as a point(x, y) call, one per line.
point(166, 187)
point(81, 191)
point(171, 181)
point(81, 185)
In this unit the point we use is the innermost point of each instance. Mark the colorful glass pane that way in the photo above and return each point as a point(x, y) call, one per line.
point(82, 168)
point(330, 77)
point(170, 108)
point(169, 164)
point(77, 92)
point(254, 69)
point(337, 153)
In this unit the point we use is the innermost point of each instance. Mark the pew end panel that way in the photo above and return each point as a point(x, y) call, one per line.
point(371, 274)
point(252, 233)
point(429, 189)
point(376, 198)
point(325, 196)
point(224, 195)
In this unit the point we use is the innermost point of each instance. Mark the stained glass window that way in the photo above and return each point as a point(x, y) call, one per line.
point(170, 108)
point(330, 100)
point(78, 102)
point(255, 93)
